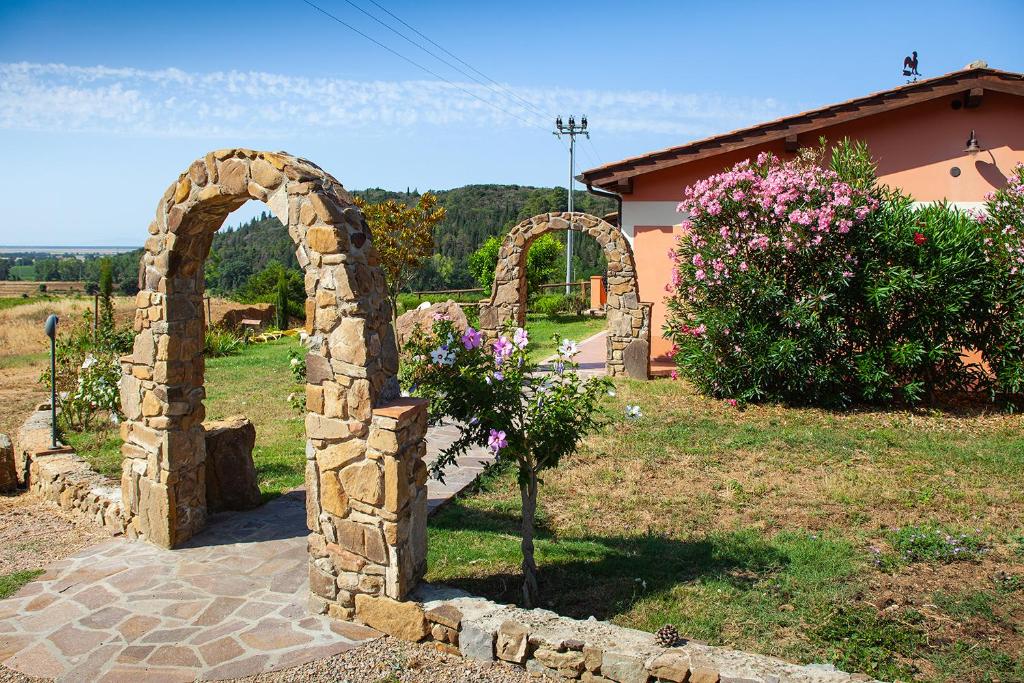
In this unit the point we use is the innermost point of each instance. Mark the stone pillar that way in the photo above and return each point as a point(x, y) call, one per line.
point(368, 514)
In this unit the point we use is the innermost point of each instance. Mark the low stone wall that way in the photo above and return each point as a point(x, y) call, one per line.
point(546, 643)
point(61, 476)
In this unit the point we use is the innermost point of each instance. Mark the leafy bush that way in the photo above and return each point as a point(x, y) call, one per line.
point(544, 261)
point(814, 285)
point(297, 363)
point(553, 305)
point(88, 371)
point(763, 281)
point(220, 341)
point(1004, 242)
point(923, 292)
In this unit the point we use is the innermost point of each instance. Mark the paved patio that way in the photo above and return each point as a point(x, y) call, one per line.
point(231, 603)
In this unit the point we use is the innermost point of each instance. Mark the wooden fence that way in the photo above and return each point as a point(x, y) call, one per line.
point(582, 285)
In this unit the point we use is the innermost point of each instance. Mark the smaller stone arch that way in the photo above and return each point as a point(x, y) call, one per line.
point(629, 319)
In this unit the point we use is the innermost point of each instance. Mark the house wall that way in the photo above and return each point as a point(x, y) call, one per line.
point(915, 147)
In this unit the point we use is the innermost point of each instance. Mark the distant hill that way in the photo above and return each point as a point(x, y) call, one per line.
point(474, 213)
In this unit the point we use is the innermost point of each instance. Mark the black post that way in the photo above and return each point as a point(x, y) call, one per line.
point(51, 332)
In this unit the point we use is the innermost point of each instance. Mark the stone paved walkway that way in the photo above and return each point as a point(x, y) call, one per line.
point(231, 603)
point(467, 469)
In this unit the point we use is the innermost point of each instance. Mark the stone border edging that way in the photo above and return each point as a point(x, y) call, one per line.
point(60, 475)
point(563, 648)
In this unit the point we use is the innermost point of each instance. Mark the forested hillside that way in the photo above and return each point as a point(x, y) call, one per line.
point(474, 213)
point(241, 253)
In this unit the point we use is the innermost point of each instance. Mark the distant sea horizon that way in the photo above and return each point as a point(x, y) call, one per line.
point(65, 249)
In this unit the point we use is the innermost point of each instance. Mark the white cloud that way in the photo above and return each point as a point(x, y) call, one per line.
point(175, 103)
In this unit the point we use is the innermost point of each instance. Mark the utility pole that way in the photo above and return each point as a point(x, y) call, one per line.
point(572, 130)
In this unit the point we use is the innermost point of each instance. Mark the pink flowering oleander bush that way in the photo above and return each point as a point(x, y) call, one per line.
point(1003, 223)
point(506, 403)
point(809, 284)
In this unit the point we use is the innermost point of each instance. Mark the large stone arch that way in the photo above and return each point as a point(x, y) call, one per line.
point(365, 482)
point(629, 319)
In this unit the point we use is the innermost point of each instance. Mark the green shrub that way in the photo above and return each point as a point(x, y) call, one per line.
point(548, 304)
point(1004, 241)
point(221, 341)
point(552, 305)
point(813, 285)
point(544, 261)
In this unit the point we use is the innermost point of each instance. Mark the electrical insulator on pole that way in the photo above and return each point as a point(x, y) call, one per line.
point(572, 130)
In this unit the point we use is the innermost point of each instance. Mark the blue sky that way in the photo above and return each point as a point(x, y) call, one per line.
point(102, 104)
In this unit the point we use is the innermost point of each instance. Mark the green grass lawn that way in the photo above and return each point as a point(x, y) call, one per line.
point(256, 382)
point(541, 329)
point(10, 583)
point(885, 542)
point(12, 301)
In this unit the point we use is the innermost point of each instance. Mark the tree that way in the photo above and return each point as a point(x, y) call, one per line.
point(543, 261)
point(503, 401)
point(281, 303)
point(404, 236)
point(106, 321)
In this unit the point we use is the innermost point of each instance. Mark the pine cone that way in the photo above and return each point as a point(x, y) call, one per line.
point(667, 635)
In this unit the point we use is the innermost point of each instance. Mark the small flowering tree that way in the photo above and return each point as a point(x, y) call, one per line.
point(504, 402)
point(1004, 245)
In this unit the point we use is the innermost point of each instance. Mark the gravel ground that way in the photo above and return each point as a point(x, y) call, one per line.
point(388, 660)
point(35, 533)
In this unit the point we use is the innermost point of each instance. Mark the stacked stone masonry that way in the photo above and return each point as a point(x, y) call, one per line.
point(562, 648)
point(365, 483)
point(629, 319)
point(62, 477)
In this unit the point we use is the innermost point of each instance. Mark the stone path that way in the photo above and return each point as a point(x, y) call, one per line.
point(592, 356)
point(467, 469)
point(231, 603)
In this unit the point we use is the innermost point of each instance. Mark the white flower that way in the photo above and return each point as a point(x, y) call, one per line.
point(611, 392)
point(90, 361)
point(295, 361)
point(568, 349)
point(633, 412)
point(442, 356)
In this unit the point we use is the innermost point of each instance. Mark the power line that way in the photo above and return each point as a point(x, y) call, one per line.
point(431, 53)
point(460, 60)
point(418, 65)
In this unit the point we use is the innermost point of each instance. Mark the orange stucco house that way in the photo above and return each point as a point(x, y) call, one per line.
point(918, 134)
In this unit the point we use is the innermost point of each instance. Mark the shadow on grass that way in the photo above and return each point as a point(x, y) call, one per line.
point(600, 576)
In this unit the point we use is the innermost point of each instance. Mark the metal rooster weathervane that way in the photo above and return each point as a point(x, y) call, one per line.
point(910, 67)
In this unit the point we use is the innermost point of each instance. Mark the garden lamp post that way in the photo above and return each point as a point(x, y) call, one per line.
point(51, 332)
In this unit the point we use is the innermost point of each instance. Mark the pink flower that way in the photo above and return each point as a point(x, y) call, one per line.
point(743, 266)
point(521, 338)
point(700, 274)
point(733, 402)
point(674, 374)
point(496, 441)
point(502, 350)
point(471, 339)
